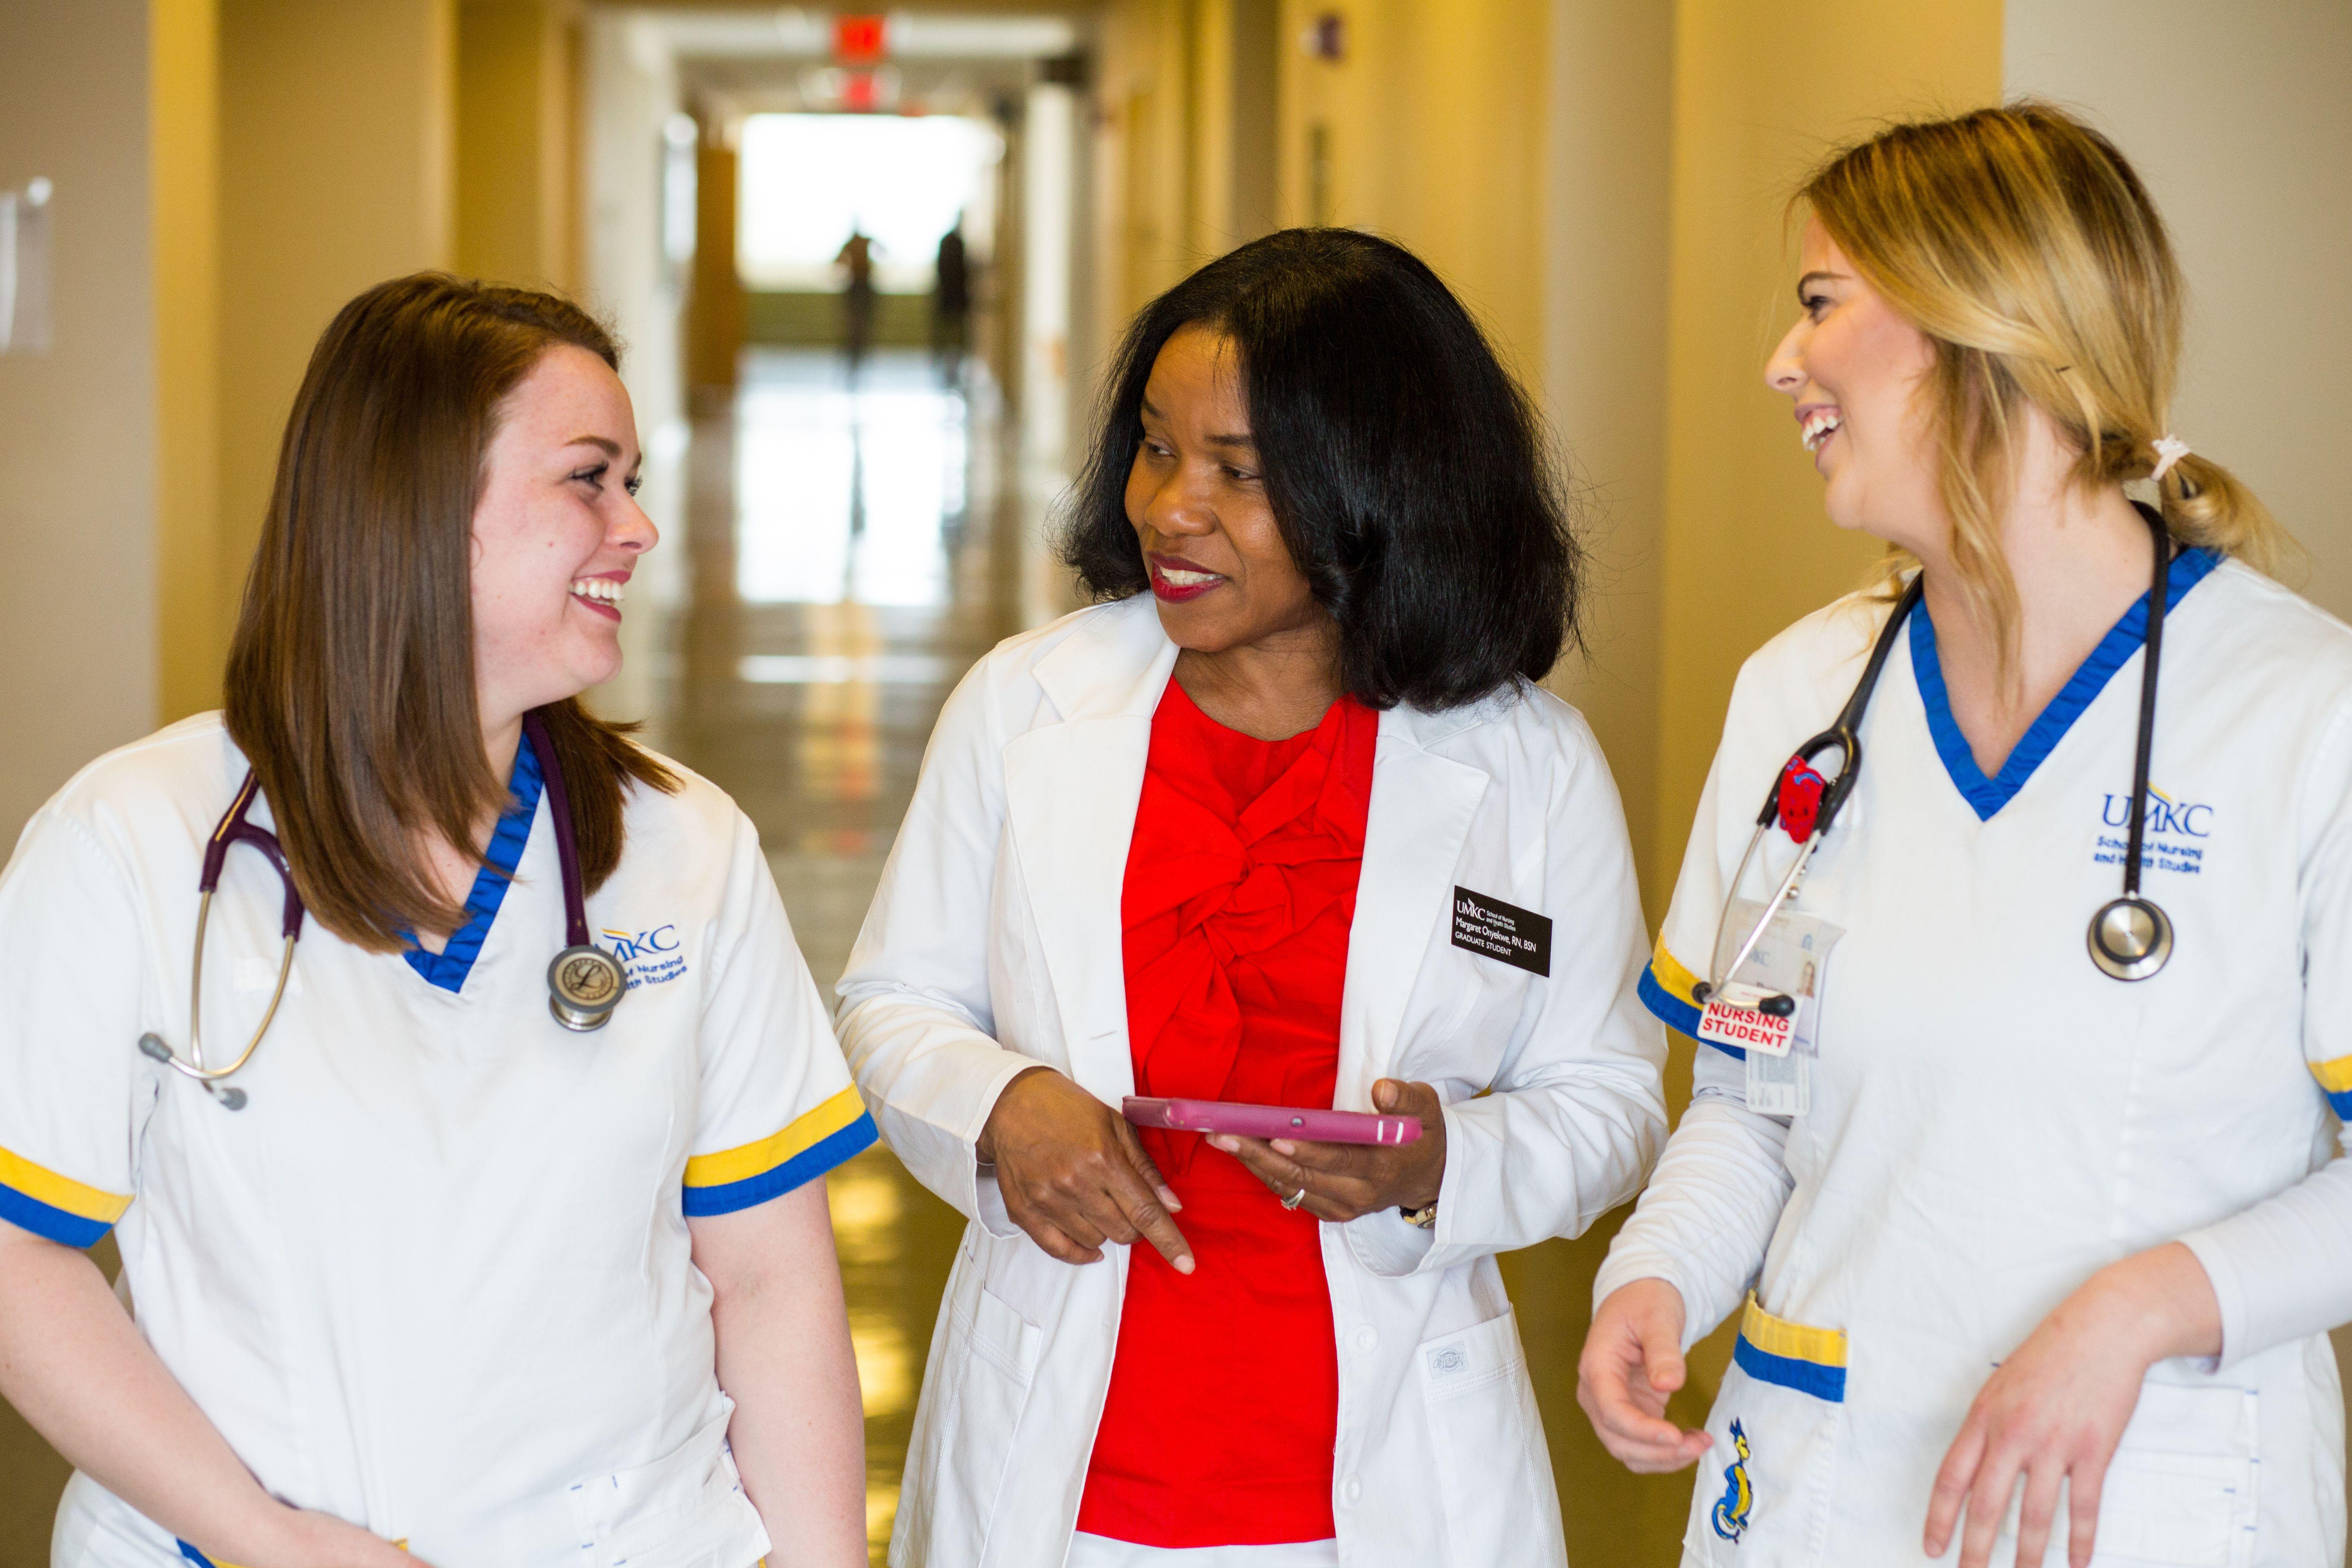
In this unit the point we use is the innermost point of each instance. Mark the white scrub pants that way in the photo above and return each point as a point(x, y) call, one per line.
point(1102, 1552)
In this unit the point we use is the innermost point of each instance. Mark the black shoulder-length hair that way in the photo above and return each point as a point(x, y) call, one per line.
point(1411, 477)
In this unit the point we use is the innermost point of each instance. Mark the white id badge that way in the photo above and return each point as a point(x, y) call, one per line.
point(1780, 1047)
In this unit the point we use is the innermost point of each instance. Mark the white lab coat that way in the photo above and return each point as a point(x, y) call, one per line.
point(993, 944)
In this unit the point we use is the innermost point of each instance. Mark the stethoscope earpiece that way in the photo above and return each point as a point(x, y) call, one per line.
point(584, 984)
point(2130, 938)
point(152, 1044)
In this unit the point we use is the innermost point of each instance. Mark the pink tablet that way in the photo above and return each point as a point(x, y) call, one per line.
point(1271, 1120)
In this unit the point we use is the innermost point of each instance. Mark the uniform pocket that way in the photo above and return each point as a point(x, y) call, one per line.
point(987, 1387)
point(1494, 1476)
point(1776, 1426)
point(686, 1510)
point(2180, 1490)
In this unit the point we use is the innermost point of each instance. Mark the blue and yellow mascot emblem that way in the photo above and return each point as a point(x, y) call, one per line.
point(1732, 1508)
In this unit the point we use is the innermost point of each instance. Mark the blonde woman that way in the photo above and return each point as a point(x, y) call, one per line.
point(2014, 1155)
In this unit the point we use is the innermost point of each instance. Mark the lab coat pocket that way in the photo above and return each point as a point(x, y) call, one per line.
point(1493, 1476)
point(988, 1387)
point(686, 1510)
point(2181, 1489)
point(1777, 1425)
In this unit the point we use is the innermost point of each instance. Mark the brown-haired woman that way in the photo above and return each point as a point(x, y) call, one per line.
point(434, 1245)
point(2006, 1142)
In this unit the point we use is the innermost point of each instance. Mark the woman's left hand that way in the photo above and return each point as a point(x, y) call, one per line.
point(2055, 1410)
point(1345, 1181)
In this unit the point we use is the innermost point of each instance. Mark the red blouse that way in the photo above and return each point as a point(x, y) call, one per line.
point(1241, 886)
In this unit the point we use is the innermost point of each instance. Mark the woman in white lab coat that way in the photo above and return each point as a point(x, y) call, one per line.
point(494, 1246)
point(2027, 1197)
point(1283, 818)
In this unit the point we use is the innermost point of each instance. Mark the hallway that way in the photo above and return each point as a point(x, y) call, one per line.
point(191, 189)
point(848, 553)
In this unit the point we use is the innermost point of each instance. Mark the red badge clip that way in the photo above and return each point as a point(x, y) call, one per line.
point(1800, 797)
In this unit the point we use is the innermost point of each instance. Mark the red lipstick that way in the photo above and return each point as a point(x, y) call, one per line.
point(1178, 592)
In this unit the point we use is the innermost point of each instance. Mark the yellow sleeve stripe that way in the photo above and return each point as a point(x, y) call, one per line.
point(2335, 1076)
point(47, 1187)
point(1796, 1341)
point(749, 1160)
point(1676, 981)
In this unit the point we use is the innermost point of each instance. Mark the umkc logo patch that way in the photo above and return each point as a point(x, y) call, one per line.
point(650, 957)
point(2165, 814)
point(2175, 837)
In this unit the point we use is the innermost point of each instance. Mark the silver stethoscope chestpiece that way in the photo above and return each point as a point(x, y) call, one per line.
point(584, 984)
point(2130, 938)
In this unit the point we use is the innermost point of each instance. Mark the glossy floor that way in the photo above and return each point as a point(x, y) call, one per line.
point(852, 548)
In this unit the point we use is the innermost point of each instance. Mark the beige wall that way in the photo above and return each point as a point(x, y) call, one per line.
point(2239, 119)
point(514, 133)
point(1145, 154)
point(337, 132)
point(229, 171)
point(183, 143)
point(1432, 130)
point(1758, 99)
point(78, 454)
point(1604, 361)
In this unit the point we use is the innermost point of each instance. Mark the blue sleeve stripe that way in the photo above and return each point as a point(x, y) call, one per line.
point(1671, 1009)
point(2342, 1100)
point(27, 1213)
point(1678, 1014)
point(1804, 1376)
point(805, 1166)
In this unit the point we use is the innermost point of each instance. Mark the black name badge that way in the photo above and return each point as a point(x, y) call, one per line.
point(1493, 929)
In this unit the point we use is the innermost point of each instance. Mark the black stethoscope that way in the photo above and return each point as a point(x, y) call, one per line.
point(585, 983)
point(2129, 938)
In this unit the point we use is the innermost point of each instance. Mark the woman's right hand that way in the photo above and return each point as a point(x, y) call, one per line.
point(1073, 1174)
point(305, 1538)
point(1632, 1359)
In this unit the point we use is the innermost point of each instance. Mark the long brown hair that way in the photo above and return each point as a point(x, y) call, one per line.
point(351, 680)
point(2023, 244)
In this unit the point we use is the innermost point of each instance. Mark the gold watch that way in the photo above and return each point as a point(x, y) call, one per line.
point(1424, 1216)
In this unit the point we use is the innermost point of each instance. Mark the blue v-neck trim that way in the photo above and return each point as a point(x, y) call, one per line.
point(1988, 795)
point(448, 968)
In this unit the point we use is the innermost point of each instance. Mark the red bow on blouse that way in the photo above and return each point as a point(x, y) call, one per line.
point(1214, 893)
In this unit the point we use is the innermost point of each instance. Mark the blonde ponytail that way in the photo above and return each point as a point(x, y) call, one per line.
point(2204, 504)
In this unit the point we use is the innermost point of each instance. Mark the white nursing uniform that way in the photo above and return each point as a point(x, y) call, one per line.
point(1993, 1120)
point(434, 1277)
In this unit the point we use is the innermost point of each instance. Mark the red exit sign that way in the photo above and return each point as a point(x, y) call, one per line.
point(860, 40)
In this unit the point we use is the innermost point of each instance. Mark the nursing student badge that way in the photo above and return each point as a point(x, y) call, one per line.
point(1769, 1011)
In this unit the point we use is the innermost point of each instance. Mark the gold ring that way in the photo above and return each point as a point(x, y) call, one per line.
point(1295, 1199)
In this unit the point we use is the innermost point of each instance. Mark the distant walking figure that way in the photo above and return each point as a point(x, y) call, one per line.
point(951, 303)
point(857, 295)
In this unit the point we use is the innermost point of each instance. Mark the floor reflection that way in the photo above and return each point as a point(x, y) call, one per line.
point(851, 552)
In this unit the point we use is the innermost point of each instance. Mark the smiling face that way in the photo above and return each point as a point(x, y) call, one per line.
point(557, 533)
point(1854, 369)
point(1196, 498)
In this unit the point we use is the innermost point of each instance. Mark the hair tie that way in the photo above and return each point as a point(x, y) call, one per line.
point(2169, 449)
